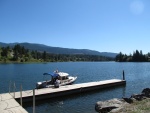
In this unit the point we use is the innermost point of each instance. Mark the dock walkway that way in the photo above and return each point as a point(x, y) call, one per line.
point(46, 93)
point(9, 105)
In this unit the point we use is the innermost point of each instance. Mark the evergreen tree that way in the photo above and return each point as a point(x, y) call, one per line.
point(44, 56)
point(136, 57)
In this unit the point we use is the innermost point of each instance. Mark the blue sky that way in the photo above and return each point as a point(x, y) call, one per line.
point(102, 25)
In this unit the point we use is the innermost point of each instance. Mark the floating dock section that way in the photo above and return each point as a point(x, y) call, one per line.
point(46, 93)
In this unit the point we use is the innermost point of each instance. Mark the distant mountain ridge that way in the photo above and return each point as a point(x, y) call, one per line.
point(59, 50)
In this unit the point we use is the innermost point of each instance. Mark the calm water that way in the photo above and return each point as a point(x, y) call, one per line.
point(137, 76)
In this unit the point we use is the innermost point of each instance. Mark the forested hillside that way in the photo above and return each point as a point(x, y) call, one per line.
point(19, 53)
point(58, 50)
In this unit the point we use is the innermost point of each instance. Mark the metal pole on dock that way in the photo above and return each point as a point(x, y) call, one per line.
point(21, 95)
point(9, 86)
point(33, 100)
point(123, 75)
point(14, 89)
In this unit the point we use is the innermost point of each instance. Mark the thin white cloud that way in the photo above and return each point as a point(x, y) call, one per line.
point(137, 7)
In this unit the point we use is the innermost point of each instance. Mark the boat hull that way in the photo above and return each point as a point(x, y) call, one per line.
point(48, 84)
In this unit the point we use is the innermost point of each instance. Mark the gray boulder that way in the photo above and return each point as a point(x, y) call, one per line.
point(112, 105)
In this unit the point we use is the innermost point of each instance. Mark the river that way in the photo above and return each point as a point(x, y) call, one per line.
point(137, 76)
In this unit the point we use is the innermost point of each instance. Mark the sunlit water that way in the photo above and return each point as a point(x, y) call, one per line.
point(136, 74)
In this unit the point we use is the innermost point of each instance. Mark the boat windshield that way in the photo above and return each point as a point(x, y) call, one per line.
point(62, 74)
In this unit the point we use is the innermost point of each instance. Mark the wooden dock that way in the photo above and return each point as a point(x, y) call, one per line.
point(46, 93)
point(9, 105)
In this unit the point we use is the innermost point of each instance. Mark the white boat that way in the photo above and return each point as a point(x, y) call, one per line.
point(57, 79)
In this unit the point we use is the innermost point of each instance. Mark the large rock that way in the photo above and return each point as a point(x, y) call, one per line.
point(146, 92)
point(112, 105)
point(128, 100)
point(138, 97)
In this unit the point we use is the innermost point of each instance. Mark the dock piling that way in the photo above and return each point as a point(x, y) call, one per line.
point(21, 95)
point(33, 100)
point(14, 89)
point(123, 75)
point(9, 86)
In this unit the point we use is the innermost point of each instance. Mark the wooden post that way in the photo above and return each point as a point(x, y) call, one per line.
point(21, 95)
point(33, 100)
point(14, 89)
point(123, 75)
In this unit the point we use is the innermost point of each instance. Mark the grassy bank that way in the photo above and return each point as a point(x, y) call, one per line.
point(137, 107)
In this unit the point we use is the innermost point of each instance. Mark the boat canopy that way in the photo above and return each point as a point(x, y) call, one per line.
point(62, 74)
point(52, 74)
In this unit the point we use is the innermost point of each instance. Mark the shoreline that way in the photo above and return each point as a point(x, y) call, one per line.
point(16, 62)
point(137, 103)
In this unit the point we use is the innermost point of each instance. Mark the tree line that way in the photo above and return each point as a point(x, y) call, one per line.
point(20, 54)
point(137, 56)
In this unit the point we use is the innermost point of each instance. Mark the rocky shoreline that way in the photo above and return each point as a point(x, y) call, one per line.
point(120, 105)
